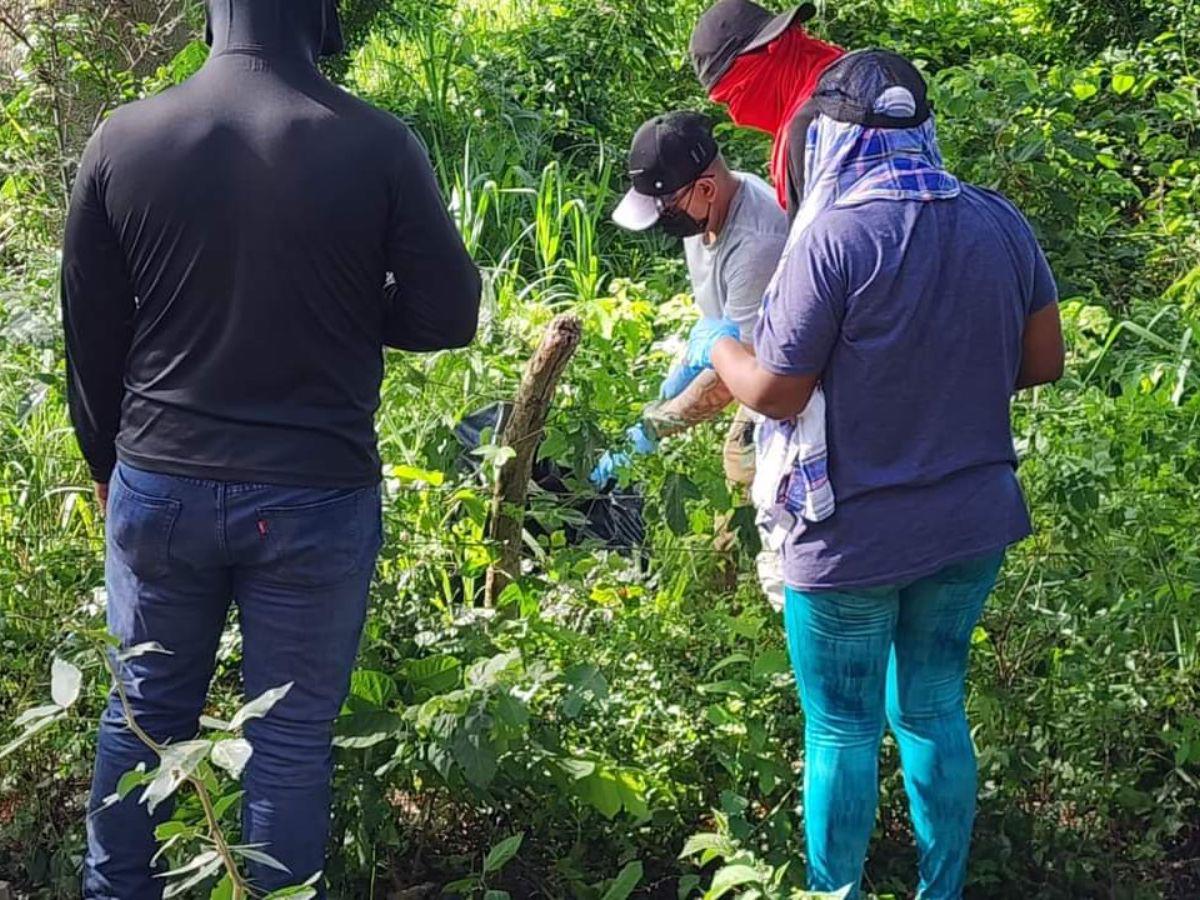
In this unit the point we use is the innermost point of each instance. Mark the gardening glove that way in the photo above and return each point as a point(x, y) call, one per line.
point(704, 336)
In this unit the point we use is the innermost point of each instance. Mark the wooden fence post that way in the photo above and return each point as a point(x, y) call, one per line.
point(523, 434)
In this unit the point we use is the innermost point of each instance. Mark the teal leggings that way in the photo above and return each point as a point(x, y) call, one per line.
point(898, 652)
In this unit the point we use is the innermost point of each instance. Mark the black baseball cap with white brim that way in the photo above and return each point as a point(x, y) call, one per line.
point(668, 152)
point(730, 28)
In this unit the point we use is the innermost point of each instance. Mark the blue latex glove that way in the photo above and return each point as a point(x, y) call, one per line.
point(613, 461)
point(643, 443)
point(606, 469)
point(685, 373)
point(677, 381)
point(704, 336)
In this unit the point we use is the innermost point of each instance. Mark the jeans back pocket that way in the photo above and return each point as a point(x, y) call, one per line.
point(139, 528)
point(319, 543)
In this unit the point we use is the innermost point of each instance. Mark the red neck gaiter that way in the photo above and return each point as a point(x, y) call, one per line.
point(765, 89)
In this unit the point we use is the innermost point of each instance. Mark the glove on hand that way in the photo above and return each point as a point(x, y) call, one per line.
point(677, 382)
point(606, 469)
point(611, 462)
point(704, 336)
point(644, 443)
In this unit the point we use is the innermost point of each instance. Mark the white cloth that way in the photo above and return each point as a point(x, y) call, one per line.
point(791, 479)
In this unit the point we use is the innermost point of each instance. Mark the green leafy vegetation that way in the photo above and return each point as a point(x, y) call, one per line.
point(629, 727)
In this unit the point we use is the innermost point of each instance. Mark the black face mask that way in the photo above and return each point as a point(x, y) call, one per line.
point(679, 224)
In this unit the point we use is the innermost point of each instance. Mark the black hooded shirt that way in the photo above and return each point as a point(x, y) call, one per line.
point(225, 258)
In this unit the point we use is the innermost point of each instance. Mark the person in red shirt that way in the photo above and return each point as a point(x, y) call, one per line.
point(763, 69)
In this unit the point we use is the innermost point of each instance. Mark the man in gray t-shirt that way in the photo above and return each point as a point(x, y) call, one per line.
point(731, 267)
point(733, 234)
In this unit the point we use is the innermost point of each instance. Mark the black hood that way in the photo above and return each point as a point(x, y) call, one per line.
point(308, 28)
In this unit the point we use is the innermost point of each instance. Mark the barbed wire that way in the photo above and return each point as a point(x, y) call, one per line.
point(66, 544)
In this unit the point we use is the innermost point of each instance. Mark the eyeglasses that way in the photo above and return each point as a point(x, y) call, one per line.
point(662, 204)
point(675, 200)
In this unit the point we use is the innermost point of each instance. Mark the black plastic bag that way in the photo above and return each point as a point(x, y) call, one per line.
point(615, 520)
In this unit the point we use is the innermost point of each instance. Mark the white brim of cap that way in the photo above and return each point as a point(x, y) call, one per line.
point(636, 212)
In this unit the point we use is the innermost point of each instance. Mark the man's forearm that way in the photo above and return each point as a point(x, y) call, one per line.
point(701, 401)
point(775, 396)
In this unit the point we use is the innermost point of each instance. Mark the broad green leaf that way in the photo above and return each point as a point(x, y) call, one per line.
point(487, 672)
point(225, 803)
point(500, 855)
point(376, 688)
point(132, 779)
point(601, 791)
point(632, 791)
point(359, 730)
point(232, 755)
point(1123, 82)
point(436, 674)
point(223, 890)
point(65, 681)
point(730, 877)
point(747, 625)
point(511, 711)
point(462, 887)
point(771, 662)
point(688, 885)
point(625, 882)
point(493, 894)
point(474, 754)
point(187, 62)
point(259, 706)
point(728, 686)
point(698, 843)
point(412, 474)
point(587, 683)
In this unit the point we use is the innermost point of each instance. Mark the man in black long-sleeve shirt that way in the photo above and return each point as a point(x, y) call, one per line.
point(225, 313)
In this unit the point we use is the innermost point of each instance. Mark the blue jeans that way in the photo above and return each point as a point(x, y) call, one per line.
point(298, 562)
point(898, 652)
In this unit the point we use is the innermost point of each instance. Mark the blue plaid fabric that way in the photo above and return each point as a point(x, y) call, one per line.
point(849, 164)
point(862, 164)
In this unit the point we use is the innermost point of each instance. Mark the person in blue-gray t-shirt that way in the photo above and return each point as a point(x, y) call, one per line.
point(920, 305)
